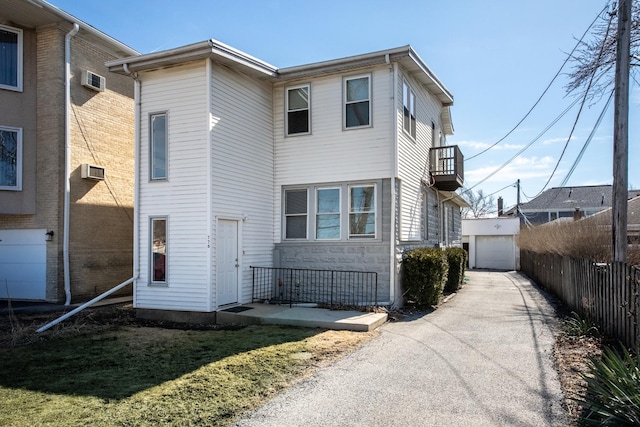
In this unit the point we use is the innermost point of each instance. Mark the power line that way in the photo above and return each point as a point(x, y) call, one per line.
point(569, 56)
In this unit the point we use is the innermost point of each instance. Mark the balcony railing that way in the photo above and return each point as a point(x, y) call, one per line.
point(447, 167)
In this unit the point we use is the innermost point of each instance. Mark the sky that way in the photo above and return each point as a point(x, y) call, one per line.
point(496, 57)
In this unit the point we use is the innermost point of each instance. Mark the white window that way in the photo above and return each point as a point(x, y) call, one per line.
point(10, 58)
point(295, 210)
point(298, 110)
point(362, 211)
point(158, 136)
point(328, 213)
point(409, 110)
point(10, 158)
point(357, 101)
point(158, 250)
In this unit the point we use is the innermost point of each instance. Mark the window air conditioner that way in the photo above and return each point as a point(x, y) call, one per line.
point(93, 81)
point(92, 172)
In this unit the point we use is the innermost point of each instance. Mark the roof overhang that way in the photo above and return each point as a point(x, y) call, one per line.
point(453, 197)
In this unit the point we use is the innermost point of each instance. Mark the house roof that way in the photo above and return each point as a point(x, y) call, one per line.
point(226, 54)
point(604, 216)
point(36, 13)
point(594, 197)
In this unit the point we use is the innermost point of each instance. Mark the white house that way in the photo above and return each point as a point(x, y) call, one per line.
point(338, 165)
point(491, 242)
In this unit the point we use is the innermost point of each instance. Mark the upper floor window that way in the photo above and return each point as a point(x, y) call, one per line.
point(159, 147)
point(328, 213)
point(409, 109)
point(295, 211)
point(362, 211)
point(298, 109)
point(10, 58)
point(10, 158)
point(357, 101)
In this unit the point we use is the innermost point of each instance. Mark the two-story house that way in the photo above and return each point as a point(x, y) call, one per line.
point(337, 165)
point(66, 157)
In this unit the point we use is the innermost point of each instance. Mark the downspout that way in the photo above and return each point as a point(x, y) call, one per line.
point(394, 174)
point(136, 178)
point(67, 161)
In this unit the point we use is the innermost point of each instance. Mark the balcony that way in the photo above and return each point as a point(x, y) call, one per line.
point(447, 167)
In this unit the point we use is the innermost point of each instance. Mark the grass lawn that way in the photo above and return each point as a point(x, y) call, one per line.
point(143, 376)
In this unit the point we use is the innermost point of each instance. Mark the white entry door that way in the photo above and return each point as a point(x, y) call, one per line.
point(23, 264)
point(228, 266)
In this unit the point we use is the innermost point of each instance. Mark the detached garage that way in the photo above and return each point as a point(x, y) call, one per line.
point(23, 264)
point(491, 242)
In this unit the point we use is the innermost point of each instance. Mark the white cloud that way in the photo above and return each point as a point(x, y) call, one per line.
point(556, 140)
point(479, 145)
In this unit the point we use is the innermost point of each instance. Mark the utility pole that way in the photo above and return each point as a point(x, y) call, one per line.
point(518, 198)
point(621, 135)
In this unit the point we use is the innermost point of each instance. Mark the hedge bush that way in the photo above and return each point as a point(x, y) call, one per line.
point(424, 275)
point(457, 259)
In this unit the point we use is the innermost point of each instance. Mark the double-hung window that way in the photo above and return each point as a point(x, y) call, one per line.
point(158, 250)
point(10, 158)
point(409, 110)
point(362, 211)
point(295, 210)
point(158, 136)
point(328, 213)
point(10, 58)
point(357, 101)
point(298, 110)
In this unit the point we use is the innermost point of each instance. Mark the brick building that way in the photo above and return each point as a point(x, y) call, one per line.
point(54, 124)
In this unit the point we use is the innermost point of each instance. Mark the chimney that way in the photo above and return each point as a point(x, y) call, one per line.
point(577, 214)
point(500, 207)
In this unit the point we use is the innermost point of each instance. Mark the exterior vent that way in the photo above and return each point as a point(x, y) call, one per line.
point(92, 172)
point(93, 81)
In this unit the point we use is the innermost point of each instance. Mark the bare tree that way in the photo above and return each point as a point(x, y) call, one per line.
point(595, 59)
point(480, 205)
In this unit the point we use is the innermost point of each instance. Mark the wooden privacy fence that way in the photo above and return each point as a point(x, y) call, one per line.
point(605, 293)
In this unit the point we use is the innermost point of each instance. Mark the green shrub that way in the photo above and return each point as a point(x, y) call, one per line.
point(613, 391)
point(577, 326)
point(457, 259)
point(424, 275)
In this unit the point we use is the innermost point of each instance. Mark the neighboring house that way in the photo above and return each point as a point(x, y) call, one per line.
point(603, 218)
point(53, 124)
point(567, 202)
point(491, 242)
point(337, 165)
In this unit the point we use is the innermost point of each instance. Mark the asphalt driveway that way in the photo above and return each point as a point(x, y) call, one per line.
point(482, 359)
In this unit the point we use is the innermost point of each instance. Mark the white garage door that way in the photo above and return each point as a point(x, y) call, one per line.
point(495, 252)
point(23, 264)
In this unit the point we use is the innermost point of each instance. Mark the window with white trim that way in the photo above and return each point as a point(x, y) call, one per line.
point(158, 250)
point(409, 110)
point(425, 198)
point(11, 61)
point(295, 213)
point(158, 136)
point(10, 158)
point(328, 213)
point(357, 101)
point(298, 105)
point(362, 211)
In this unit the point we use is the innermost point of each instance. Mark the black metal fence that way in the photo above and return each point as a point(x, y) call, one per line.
point(609, 294)
point(329, 288)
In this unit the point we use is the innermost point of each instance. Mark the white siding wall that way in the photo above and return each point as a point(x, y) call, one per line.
point(181, 91)
point(329, 153)
point(413, 156)
point(242, 166)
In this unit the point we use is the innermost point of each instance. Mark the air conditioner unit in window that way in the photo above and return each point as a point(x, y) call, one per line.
point(93, 81)
point(92, 172)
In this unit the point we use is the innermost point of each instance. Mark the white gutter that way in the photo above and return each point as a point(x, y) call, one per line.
point(67, 162)
point(394, 174)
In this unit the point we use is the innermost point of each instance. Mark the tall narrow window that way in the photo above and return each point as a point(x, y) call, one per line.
point(159, 146)
point(298, 117)
point(295, 210)
point(328, 213)
point(409, 101)
point(159, 250)
point(10, 58)
point(10, 158)
point(425, 197)
point(357, 101)
point(362, 211)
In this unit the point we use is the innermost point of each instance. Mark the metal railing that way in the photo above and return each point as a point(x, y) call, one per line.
point(327, 288)
point(447, 167)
